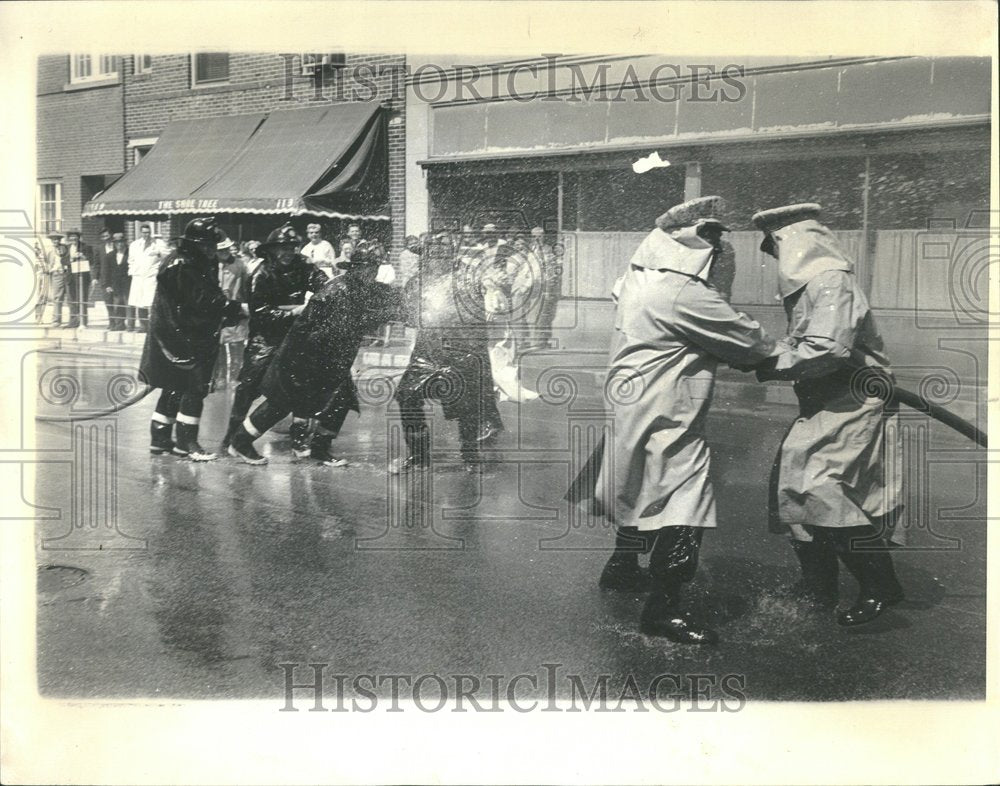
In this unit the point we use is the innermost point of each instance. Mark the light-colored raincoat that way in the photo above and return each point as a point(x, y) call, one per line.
point(672, 330)
point(831, 470)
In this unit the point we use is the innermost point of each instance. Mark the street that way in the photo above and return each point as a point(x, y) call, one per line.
point(223, 571)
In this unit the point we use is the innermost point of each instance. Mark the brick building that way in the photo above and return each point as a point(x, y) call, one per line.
point(80, 147)
point(156, 91)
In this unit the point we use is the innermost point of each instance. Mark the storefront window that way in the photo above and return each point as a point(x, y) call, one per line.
point(623, 201)
point(835, 183)
point(909, 191)
point(516, 201)
point(917, 202)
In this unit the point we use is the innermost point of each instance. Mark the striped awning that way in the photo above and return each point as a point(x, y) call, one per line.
point(327, 161)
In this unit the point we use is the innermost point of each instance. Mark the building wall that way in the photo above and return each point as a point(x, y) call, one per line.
point(895, 149)
point(259, 83)
point(80, 134)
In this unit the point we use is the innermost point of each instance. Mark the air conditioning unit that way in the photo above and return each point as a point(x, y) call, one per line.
point(313, 63)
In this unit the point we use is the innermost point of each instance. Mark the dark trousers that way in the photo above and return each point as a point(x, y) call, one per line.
point(417, 435)
point(542, 328)
point(255, 365)
point(137, 318)
point(862, 550)
point(116, 305)
point(184, 402)
point(79, 292)
point(267, 415)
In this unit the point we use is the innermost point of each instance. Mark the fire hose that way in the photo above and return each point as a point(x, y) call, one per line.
point(871, 380)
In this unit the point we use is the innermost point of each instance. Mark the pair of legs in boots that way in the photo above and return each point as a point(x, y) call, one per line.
point(673, 561)
point(180, 409)
point(255, 365)
point(316, 446)
point(417, 436)
point(865, 555)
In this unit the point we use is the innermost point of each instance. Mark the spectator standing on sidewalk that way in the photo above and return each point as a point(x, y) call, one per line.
point(102, 252)
point(409, 260)
point(52, 285)
point(235, 285)
point(115, 282)
point(144, 256)
point(79, 255)
point(319, 251)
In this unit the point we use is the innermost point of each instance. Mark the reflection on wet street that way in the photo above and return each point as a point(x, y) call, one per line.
point(190, 580)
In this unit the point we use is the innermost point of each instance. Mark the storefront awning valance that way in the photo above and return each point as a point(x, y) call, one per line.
point(165, 181)
point(327, 161)
point(322, 160)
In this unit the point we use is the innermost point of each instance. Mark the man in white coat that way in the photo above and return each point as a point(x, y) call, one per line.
point(144, 256)
point(673, 327)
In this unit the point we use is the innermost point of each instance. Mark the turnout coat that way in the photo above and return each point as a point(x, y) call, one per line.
point(672, 331)
point(310, 373)
point(831, 468)
point(450, 362)
point(275, 286)
point(187, 314)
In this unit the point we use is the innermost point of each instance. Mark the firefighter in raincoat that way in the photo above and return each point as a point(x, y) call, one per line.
point(450, 362)
point(830, 489)
point(278, 294)
point(188, 312)
point(673, 328)
point(310, 373)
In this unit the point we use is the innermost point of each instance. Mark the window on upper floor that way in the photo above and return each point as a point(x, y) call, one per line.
point(92, 67)
point(143, 64)
point(49, 207)
point(209, 68)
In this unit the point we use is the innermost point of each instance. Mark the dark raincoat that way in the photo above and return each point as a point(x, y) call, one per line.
point(450, 362)
point(187, 315)
point(273, 286)
point(310, 372)
point(836, 466)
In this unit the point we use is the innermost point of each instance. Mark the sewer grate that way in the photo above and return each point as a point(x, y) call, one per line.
point(52, 578)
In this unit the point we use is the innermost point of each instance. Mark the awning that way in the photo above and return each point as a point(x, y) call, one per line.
point(322, 160)
point(186, 155)
point(326, 161)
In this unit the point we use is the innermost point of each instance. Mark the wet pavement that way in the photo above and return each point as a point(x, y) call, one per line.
point(198, 580)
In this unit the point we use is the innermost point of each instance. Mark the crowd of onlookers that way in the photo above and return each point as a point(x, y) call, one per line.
point(520, 273)
point(72, 275)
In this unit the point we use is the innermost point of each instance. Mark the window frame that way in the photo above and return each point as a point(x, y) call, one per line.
point(196, 83)
point(41, 223)
point(97, 61)
point(139, 68)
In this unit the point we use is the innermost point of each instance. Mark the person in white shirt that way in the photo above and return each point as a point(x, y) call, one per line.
point(319, 251)
point(144, 257)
